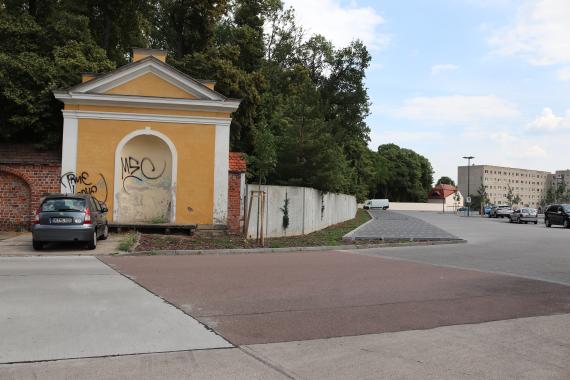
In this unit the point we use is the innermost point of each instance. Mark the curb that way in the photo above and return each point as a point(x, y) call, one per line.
point(179, 252)
point(350, 235)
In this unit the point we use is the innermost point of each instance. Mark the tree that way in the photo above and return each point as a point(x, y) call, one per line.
point(445, 181)
point(406, 176)
point(264, 158)
point(513, 199)
point(43, 46)
point(483, 197)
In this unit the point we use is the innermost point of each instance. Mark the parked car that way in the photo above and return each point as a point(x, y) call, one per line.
point(376, 203)
point(557, 215)
point(501, 211)
point(487, 210)
point(70, 218)
point(524, 215)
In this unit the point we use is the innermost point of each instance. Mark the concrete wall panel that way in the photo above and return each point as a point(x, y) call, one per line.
point(305, 209)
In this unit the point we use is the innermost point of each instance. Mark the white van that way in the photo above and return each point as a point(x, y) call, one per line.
point(377, 203)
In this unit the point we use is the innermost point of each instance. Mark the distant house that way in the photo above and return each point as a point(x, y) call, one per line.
point(446, 196)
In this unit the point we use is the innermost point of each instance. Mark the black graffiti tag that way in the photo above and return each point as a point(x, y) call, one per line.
point(80, 184)
point(139, 169)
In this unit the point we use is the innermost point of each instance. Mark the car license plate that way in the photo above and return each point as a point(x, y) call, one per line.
point(61, 220)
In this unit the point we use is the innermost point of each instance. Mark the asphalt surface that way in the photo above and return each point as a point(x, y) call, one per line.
point(389, 226)
point(493, 245)
point(496, 307)
point(263, 298)
point(72, 307)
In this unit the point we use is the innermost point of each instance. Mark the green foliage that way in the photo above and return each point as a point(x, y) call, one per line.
point(43, 46)
point(304, 102)
point(445, 181)
point(403, 175)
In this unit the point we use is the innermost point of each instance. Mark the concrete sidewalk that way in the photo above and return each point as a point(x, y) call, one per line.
point(72, 307)
point(522, 349)
point(21, 245)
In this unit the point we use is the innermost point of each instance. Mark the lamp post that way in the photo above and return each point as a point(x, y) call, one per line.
point(468, 158)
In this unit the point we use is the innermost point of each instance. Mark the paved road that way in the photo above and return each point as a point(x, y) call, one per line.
point(259, 298)
point(493, 245)
point(69, 307)
point(389, 225)
point(21, 245)
point(402, 313)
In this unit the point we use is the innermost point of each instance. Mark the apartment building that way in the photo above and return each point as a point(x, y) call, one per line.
point(530, 185)
point(559, 177)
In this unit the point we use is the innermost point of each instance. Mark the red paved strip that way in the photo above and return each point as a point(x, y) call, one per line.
point(261, 298)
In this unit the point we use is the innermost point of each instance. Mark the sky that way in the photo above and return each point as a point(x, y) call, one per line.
point(454, 78)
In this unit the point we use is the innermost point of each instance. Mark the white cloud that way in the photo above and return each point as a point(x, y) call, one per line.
point(438, 69)
point(549, 122)
point(540, 33)
point(457, 109)
point(340, 23)
point(563, 73)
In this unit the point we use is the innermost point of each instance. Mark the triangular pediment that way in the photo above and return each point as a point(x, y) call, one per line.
point(148, 77)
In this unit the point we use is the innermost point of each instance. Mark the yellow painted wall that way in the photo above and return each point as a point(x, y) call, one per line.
point(150, 84)
point(98, 139)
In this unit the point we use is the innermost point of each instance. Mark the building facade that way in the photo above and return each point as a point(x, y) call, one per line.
point(447, 195)
point(530, 185)
point(150, 142)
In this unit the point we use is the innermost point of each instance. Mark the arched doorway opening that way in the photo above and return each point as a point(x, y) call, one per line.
point(15, 202)
point(145, 179)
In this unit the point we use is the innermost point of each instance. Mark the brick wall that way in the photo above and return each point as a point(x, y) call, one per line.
point(236, 168)
point(21, 187)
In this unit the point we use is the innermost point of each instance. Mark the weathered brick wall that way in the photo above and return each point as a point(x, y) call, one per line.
point(15, 196)
point(234, 202)
point(21, 187)
point(236, 168)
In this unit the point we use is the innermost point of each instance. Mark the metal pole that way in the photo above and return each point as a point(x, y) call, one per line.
point(468, 158)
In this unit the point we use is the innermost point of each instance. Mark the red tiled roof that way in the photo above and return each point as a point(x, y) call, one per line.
point(441, 191)
point(237, 162)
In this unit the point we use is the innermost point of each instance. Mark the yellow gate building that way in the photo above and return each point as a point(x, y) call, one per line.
point(150, 142)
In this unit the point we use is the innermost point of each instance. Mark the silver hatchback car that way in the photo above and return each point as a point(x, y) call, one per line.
point(70, 218)
point(524, 215)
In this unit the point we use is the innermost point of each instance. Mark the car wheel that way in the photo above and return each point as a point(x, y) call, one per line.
point(547, 222)
point(566, 224)
point(105, 232)
point(93, 243)
point(520, 221)
point(38, 245)
point(536, 222)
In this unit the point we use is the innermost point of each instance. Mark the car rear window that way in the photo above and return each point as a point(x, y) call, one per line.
point(63, 204)
point(566, 208)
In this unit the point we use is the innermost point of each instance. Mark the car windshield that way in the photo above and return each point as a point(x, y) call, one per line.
point(63, 204)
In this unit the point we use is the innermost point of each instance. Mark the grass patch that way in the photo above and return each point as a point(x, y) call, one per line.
point(128, 242)
point(329, 236)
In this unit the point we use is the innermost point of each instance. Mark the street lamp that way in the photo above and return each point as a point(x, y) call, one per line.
point(468, 158)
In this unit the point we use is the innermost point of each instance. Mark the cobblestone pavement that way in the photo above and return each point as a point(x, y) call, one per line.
point(390, 225)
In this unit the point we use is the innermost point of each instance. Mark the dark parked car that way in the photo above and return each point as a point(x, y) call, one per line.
point(557, 215)
point(70, 218)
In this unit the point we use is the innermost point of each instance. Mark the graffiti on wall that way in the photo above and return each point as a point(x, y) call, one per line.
point(139, 169)
point(82, 183)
